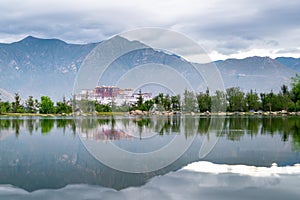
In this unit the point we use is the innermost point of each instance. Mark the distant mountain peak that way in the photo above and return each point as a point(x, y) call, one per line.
point(31, 39)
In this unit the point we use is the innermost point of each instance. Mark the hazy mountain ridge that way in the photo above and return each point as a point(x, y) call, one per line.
point(38, 67)
point(293, 63)
point(262, 74)
point(34, 66)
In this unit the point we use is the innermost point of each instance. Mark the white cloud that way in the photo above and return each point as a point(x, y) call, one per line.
point(223, 27)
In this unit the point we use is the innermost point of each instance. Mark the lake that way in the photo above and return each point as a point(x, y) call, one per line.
point(175, 157)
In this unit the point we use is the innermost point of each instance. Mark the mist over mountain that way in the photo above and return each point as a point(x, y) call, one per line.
point(262, 74)
point(39, 67)
point(293, 63)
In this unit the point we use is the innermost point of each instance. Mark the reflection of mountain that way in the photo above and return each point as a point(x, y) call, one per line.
point(37, 161)
point(37, 67)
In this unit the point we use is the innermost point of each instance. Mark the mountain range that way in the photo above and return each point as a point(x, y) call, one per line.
point(37, 67)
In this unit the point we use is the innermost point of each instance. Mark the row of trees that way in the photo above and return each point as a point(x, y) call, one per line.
point(44, 106)
point(234, 99)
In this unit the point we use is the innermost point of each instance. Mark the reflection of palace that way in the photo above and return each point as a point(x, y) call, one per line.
point(107, 94)
point(105, 133)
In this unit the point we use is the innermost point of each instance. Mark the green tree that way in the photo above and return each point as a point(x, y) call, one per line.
point(175, 102)
point(189, 101)
point(16, 105)
point(63, 107)
point(5, 107)
point(30, 105)
point(263, 100)
point(218, 102)
point(296, 91)
point(148, 104)
point(252, 101)
point(284, 99)
point(140, 101)
point(204, 101)
point(272, 102)
point(46, 105)
point(235, 98)
point(102, 107)
point(159, 99)
point(167, 102)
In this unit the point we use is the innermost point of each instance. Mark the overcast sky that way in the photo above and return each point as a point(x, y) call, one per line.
point(224, 28)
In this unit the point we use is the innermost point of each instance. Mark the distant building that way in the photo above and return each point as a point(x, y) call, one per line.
point(106, 91)
point(107, 94)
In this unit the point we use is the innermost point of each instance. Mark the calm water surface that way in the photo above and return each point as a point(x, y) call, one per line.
point(52, 153)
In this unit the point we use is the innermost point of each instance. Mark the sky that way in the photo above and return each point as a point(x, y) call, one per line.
point(224, 28)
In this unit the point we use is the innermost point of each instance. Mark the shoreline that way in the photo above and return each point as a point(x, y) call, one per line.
point(143, 113)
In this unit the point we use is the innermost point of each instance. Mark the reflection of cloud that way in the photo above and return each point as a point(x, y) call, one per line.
point(208, 167)
point(183, 184)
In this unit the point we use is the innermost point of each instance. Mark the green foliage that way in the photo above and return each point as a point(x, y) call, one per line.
point(102, 107)
point(148, 104)
point(204, 101)
point(218, 102)
point(175, 102)
point(5, 107)
point(30, 105)
point(46, 105)
point(140, 101)
point(295, 93)
point(63, 107)
point(252, 101)
point(46, 125)
point(16, 105)
point(236, 99)
point(189, 101)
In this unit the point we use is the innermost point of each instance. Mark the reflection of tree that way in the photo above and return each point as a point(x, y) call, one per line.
point(30, 123)
point(237, 126)
point(16, 126)
point(203, 125)
point(233, 128)
point(296, 135)
point(62, 123)
point(46, 125)
point(5, 124)
point(190, 124)
point(175, 124)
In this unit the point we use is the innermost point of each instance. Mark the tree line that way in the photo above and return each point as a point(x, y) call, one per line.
point(44, 106)
point(231, 100)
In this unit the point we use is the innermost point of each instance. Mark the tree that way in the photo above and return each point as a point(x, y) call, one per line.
point(63, 107)
point(5, 107)
point(189, 101)
point(16, 105)
point(252, 101)
point(140, 100)
point(270, 100)
point(167, 102)
point(296, 91)
point(46, 105)
point(148, 104)
point(204, 101)
point(218, 102)
point(235, 98)
point(175, 102)
point(30, 105)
